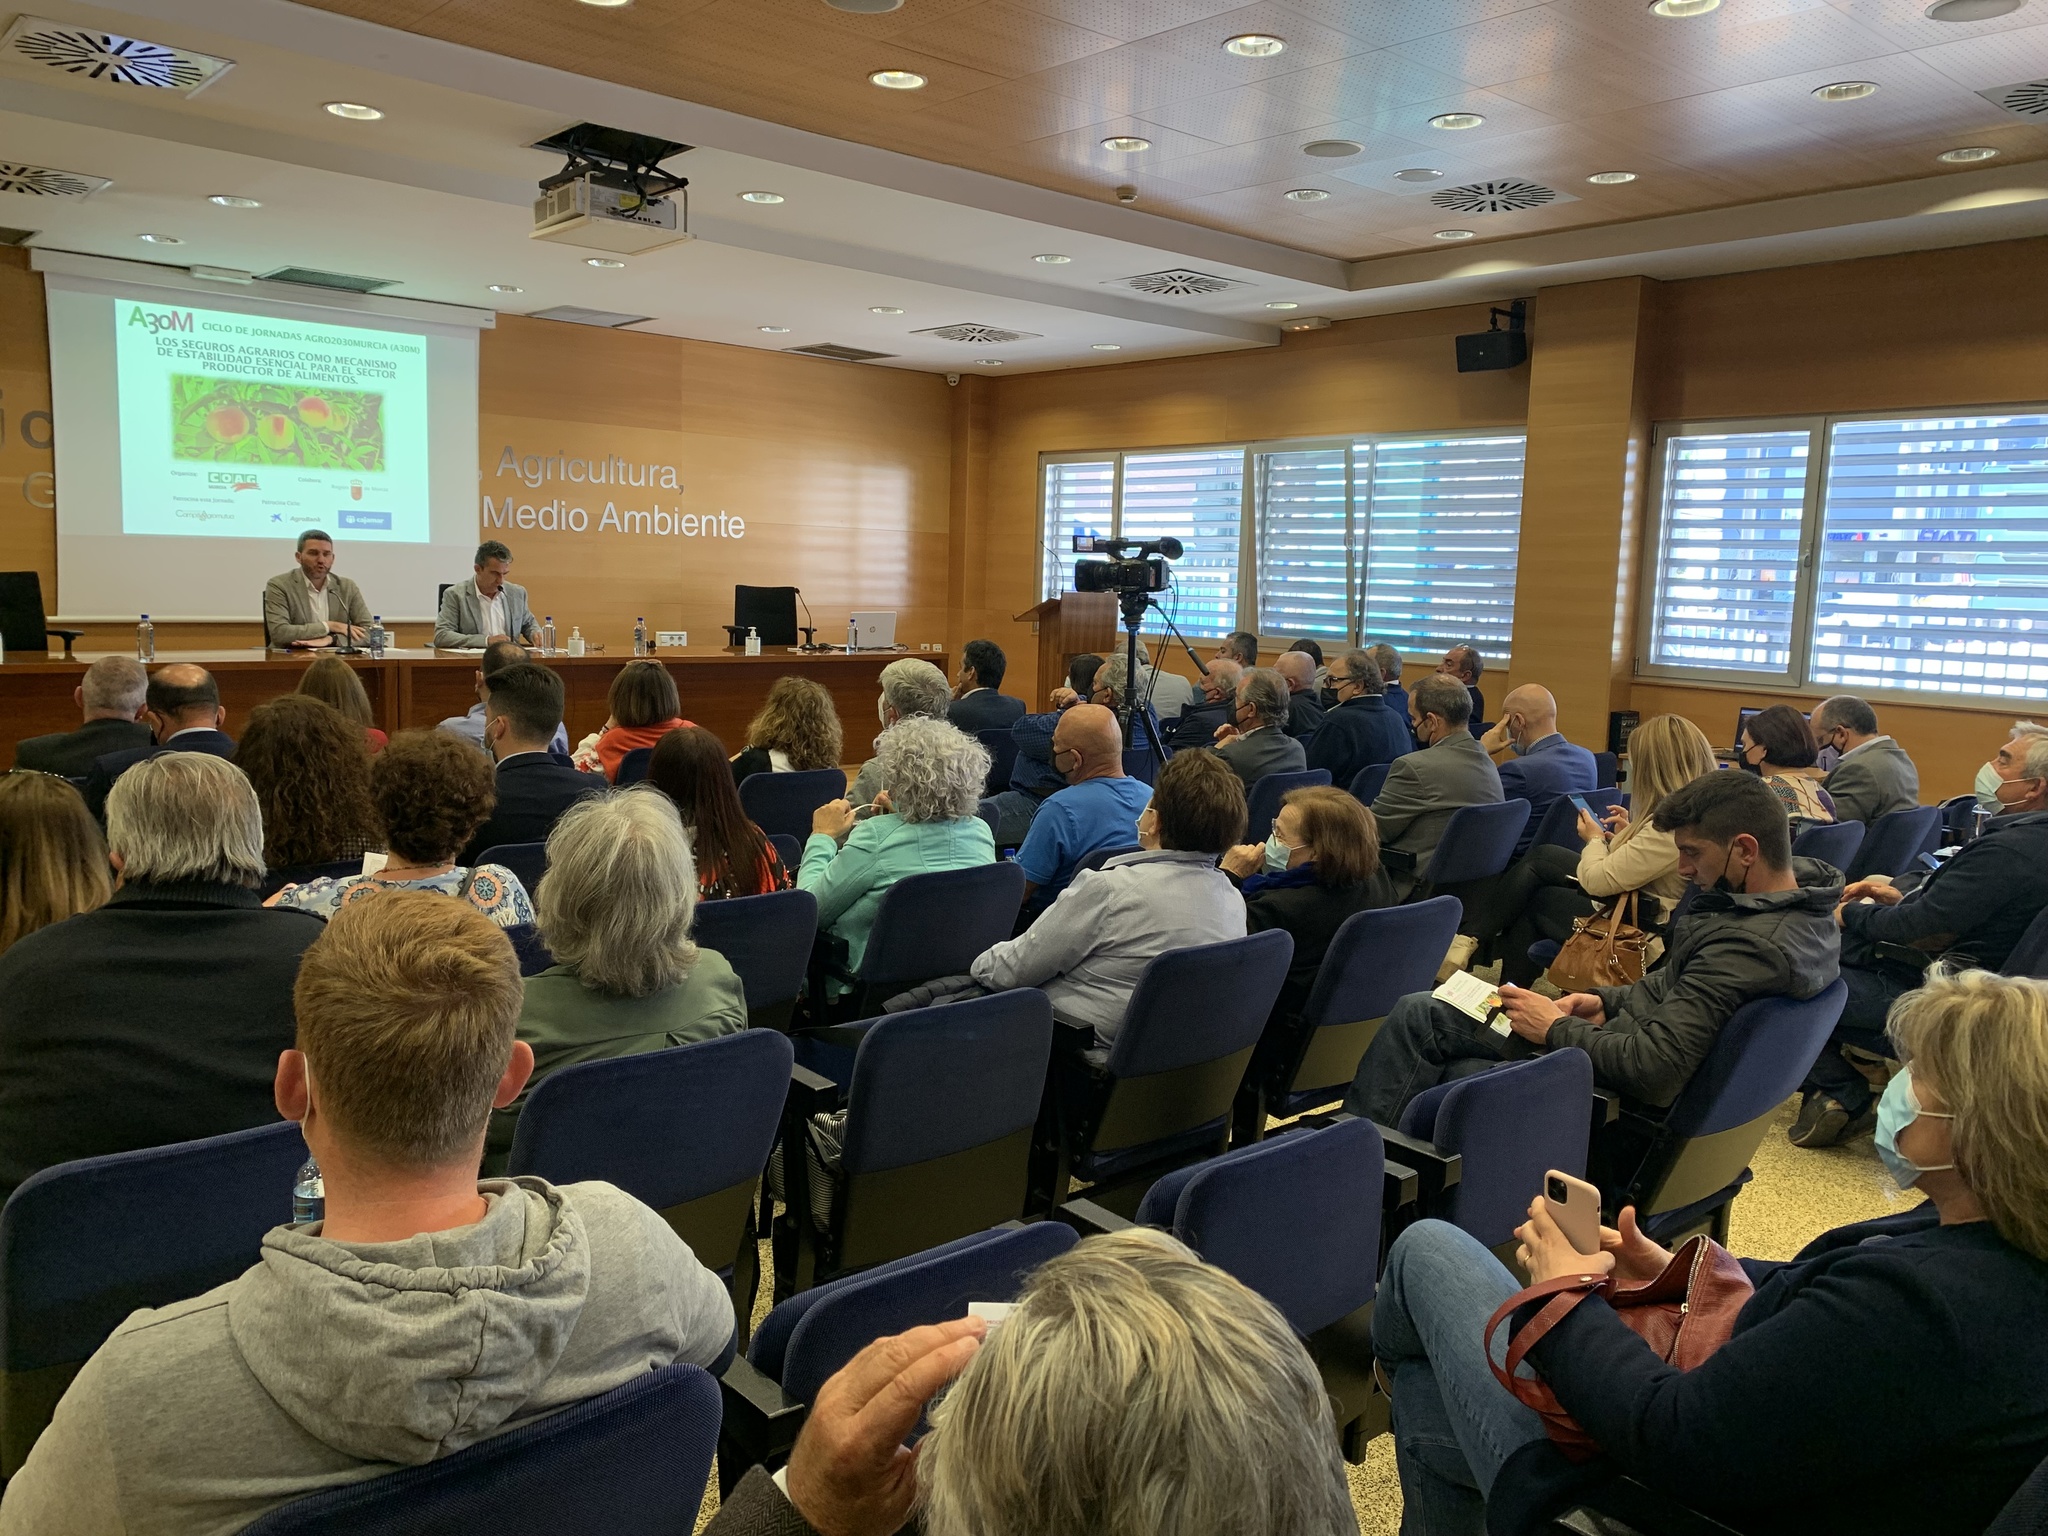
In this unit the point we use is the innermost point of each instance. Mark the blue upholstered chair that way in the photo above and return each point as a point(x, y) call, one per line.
point(529, 861)
point(788, 849)
point(84, 1244)
point(1140, 764)
point(1263, 803)
point(633, 766)
point(1477, 843)
point(767, 942)
point(2029, 957)
point(783, 802)
point(532, 949)
point(1560, 825)
point(1607, 767)
point(935, 925)
point(1102, 856)
point(1367, 783)
point(1832, 843)
point(631, 1462)
point(1894, 841)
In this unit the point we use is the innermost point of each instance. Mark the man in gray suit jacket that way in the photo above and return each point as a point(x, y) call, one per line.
point(1257, 742)
point(309, 606)
point(487, 607)
point(1873, 777)
point(1424, 788)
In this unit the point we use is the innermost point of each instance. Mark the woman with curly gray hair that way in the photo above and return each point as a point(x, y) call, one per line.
point(923, 820)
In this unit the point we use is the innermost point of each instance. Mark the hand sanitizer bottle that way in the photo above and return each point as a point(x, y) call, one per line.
point(575, 640)
point(753, 641)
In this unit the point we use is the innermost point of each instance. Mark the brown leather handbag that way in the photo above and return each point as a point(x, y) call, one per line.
point(1605, 950)
point(1684, 1314)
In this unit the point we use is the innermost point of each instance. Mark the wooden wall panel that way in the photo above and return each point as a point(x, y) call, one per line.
point(28, 527)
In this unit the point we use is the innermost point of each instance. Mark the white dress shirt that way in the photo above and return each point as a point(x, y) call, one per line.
point(494, 613)
point(317, 599)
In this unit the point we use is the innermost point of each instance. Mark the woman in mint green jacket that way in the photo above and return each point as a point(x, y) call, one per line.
point(923, 821)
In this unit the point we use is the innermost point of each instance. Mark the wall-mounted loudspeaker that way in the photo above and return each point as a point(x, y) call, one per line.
point(1489, 350)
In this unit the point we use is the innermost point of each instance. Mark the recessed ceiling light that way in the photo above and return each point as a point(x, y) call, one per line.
point(1453, 121)
point(1419, 173)
point(988, 362)
point(866, 7)
point(1682, 7)
point(505, 288)
point(1052, 260)
point(607, 4)
point(1333, 149)
point(776, 330)
point(174, 240)
point(354, 111)
point(884, 309)
point(1106, 346)
point(1457, 234)
point(1971, 10)
point(1126, 143)
point(1306, 195)
point(602, 261)
point(1845, 90)
point(1255, 45)
point(229, 200)
point(1611, 178)
point(897, 79)
point(1282, 304)
point(761, 197)
point(1967, 156)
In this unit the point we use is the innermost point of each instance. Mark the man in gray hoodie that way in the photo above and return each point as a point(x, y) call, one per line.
point(427, 1311)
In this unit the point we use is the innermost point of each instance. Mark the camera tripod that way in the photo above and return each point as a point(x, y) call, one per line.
point(1134, 710)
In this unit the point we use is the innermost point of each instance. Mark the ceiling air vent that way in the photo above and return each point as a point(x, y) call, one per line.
point(980, 335)
point(575, 314)
point(2027, 99)
point(16, 236)
point(41, 181)
point(1508, 196)
point(91, 54)
point(1180, 283)
point(837, 353)
point(312, 277)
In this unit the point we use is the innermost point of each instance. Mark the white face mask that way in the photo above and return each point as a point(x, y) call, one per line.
point(1986, 788)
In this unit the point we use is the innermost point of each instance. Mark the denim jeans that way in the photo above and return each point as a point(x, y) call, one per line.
point(1454, 1425)
point(1871, 994)
point(1423, 1043)
point(1015, 811)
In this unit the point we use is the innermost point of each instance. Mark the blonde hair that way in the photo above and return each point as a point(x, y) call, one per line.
point(53, 861)
point(1981, 1040)
point(334, 683)
point(1136, 1388)
point(616, 903)
point(799, 721)
point(1665, 753)
point(407, 1009)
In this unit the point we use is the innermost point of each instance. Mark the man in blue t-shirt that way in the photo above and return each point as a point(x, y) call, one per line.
point(1099, 808)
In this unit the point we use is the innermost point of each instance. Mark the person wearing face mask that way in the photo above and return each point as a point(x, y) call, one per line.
point(1873, 777)
point(1255, 741)
point(1890, 1380)
point(1754, 929)
point(1536, 763)
point(1360, 728)
point(1968, 913)
point(1988, 778)
point(1304, 709)
point(1777, 745)
point(911, 690)
point(522, 715)
point(1098, 809)
point(1199, 722)
point(1426, 787)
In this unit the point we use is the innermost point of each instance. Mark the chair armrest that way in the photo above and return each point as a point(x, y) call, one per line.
point(1439, 1170)
point(1073, 1038)
point(1606, 1107)
point(1088, 1218)
point(1625, 1505)
point(1402, 1186)
point(761, 1420)
point(810, 1093)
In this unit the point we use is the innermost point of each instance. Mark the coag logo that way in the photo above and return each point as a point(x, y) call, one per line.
point(155, 320)
point(231, 480)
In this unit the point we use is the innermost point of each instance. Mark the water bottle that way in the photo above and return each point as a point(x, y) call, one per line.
point(753, 641)
point(145, 640)
point(852, 635)
point(309, 1194)
point(547, 635)
point(377, 637)
point(575, 640)
point(639, 637)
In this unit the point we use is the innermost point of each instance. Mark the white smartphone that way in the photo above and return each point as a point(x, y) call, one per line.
point(1575, 1207)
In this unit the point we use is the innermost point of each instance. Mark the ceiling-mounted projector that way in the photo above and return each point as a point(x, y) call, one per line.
point(611, 193)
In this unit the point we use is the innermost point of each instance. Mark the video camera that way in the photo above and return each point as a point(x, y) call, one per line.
point(1131, 567)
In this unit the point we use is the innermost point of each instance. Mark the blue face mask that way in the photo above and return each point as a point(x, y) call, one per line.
point(1277, 854)
point(1897, 1109)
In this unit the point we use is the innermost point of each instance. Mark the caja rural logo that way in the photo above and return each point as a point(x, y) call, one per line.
point(231, 480)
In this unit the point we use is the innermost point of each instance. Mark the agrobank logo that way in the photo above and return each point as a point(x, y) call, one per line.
point(231, 480)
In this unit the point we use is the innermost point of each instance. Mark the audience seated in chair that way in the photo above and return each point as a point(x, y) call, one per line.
point(426, 1312)
point(311, 772)
point(1133, 1388)
point(1320, 865)
point(109, 698)
point(931, 781)
point(1098, 809)
point(978, 703)
point(1777, 746)
point(1359, 729)
point(1464, 663)
point(1449, 771)
point(644, 708)
point(1968, 913)
point(733, 855)
point(1752, 931)
point(1388, 660)
point(182, 707)
point(1804, 1418)
point(334, 682)
point(1038, 774)
point(522, 714)
point(1623, 850)
point(53, 856)
point(1985, 787)
point(1536, 763)
point(1200, 721)
point(1089, 947)
point(1873, 777)
point(1168, 693)
point(1254, 741)
point(1298, 670)
point(431, 795)
point(158, 1017)
point(615, 912)
point(911, 690)
point(497, 656)
point(1240, 646)
point(797, 731)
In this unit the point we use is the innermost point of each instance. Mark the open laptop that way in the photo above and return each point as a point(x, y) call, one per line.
point(871, 631)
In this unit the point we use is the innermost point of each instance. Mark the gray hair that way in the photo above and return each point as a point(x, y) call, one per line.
point(912, 687)
point(1135, 1388)
point(2035, 765)
point(1114, 675)
point(1226, 674)
point(1266, 691)
point(1444, 696)
point(1847, 711)
point(1388, 660)
point(1365, 666)
point(620, 893)
point(492, 549)
point(114, 685)
point(931, 771)
point(183, 816)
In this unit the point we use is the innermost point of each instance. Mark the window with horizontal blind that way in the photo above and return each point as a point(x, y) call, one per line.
point(1080, 497)
point(1442, 532)
point(1198, 498)
point(1306, 585)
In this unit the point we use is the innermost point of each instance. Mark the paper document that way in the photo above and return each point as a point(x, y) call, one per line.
point(1476, 999)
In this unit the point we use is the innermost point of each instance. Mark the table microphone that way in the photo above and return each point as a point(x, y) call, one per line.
point(810, 631)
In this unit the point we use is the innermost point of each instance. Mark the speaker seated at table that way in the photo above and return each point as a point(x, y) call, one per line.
point(24, 626)
point(769, 611)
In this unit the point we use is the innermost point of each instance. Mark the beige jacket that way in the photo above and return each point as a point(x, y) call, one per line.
point(1640, 859)
point(288, 607)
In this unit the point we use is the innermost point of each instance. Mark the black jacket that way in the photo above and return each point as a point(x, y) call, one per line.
point(1198, 722)
point(1726, 951)
point(534, 789)
point(72, 753)
point(1312, 913)
point(110, 767)
point(985, 710)
point(1357, 734)
point(157, 1018)
point(1971, 911)
point(1304, 716)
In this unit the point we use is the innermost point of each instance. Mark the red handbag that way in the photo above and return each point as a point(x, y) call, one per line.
point(1684, 1314)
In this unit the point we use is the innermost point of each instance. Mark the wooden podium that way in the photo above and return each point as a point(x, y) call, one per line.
point(1070, 625)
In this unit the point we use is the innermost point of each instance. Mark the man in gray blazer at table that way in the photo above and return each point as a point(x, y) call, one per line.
point(1258, 743)
point(309, 606)
point(486, 607)
point(1424, 788)
point(1873, 777)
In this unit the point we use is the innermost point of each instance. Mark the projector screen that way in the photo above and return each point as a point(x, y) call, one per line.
point(199, 432)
